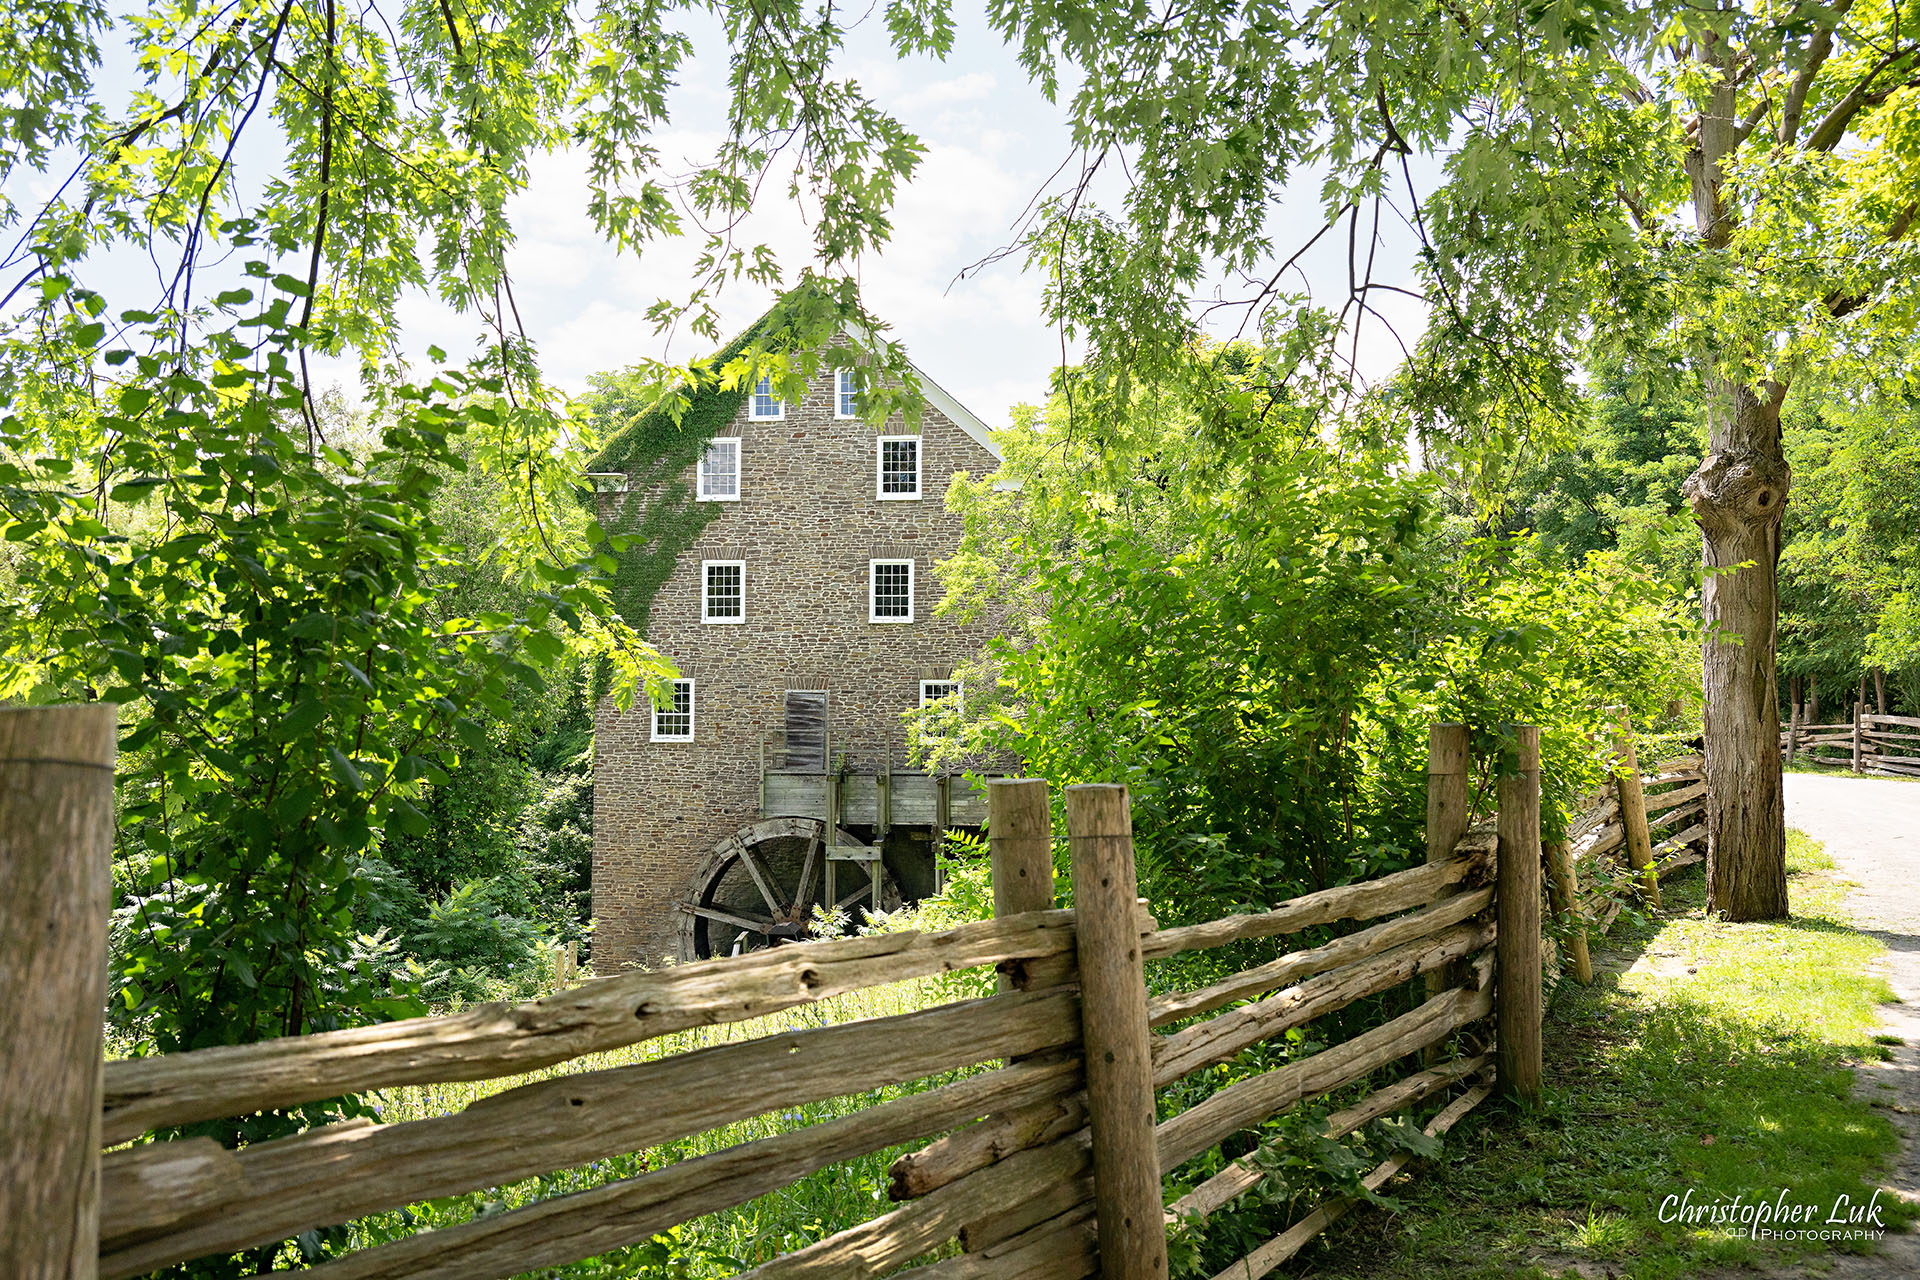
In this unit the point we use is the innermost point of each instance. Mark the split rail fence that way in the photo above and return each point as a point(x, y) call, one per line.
point(1886, 744)
point(1047, 1163)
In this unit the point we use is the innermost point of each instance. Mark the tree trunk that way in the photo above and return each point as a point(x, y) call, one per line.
point(1813, 701)
point(1737, 496)
point(1880, 690)
point(1793, 700)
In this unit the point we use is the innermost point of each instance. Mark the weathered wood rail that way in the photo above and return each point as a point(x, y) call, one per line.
point(1047, 1159)
point(1884, 744)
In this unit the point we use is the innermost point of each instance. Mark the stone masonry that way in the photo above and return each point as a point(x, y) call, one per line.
point(807, 523)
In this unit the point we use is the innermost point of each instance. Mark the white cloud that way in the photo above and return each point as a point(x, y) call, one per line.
point(969, 87)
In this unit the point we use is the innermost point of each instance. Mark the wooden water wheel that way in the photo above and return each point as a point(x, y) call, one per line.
point(760, 886)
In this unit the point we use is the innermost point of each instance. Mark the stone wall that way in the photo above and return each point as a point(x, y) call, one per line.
point(807, 523)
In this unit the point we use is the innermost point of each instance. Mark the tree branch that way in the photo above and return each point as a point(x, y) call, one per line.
point(307, 409)
point(1818, 48)
point(1833, 127)
point(1843, 304)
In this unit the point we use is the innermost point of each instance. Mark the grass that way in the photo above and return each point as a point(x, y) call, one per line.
point(1839, 763)
point(1706, 1056)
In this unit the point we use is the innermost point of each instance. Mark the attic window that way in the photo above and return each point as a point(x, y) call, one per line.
point(898, 464)
point(846, 404)
point(765, 403)
point(719, 479)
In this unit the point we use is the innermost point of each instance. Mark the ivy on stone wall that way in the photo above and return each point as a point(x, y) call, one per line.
point(658, 515)
point(655, 436)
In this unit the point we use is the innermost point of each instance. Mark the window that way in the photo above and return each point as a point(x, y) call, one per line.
point(890, 590)
point(723, 591)
point(673, 719)
point(765, 403)
point(847, 403)
point(934, 690)
point(719, 476)
point(899, 466)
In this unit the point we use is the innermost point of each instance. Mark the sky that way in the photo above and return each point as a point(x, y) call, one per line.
point(993, 140)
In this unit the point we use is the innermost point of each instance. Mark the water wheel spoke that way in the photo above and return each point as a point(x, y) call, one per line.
point(727, 917)
point(864, 891)
point(761, 882)
point(809, 870)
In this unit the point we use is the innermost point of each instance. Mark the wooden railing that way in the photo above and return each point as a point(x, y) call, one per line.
point(1886, 744)
point(1040, 1166)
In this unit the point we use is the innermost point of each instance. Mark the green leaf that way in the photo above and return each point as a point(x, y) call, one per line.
point(315, 626)
point(344, 771)
point(544, 647)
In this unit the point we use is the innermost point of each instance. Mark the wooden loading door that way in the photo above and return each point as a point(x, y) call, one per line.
point(806, 738)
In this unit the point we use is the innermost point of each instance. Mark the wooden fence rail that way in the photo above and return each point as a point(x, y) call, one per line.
point(1868, 742)
point(1044, 1159)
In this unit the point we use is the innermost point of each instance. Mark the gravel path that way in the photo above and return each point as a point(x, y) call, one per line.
point(1871, 827)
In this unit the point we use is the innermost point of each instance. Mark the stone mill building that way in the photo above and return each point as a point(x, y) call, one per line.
point(801, 620)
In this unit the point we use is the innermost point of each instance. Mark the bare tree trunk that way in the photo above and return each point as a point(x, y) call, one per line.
point(1737, 496)
point(1880, 690)
point(1813, 701)
point(1794, 704)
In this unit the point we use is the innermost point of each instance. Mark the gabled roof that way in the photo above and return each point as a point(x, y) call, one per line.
point(617, 455)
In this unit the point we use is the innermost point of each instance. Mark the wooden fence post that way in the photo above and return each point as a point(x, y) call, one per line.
point(1020, 845)
point(1447, 821)
point(1517, 946)
point(1563, 887)
point(1020, 854)
point(56, 849)
point(1633, 813)
point(1113, 1012)
point(1859, 709)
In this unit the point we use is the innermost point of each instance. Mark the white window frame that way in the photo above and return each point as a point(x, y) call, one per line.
point(653, 710)
point(958, 694)
point(873, 587)
point(706, 591)
point(880, 469)
point(844, 387)
point(753, 403)
point(701, 492)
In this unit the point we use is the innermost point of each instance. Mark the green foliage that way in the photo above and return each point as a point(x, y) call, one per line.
point(1525, 640)
point(1300, 1161)
point(1850, 566)
point(1576, 207)
point(1617, 485)
point(270, 612)
point(1199, 607)
point(1253, 625)
point(264, 615)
